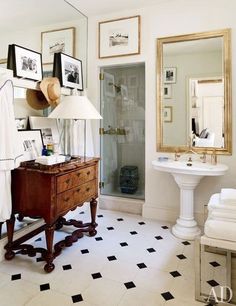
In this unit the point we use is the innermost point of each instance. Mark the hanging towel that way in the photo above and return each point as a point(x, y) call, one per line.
point(10, 148)
point(228, 196)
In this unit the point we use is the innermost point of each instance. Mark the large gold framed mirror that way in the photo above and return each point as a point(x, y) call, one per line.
point(194, 92)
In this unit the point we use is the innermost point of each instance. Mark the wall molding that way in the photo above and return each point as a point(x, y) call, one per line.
point(168, 214)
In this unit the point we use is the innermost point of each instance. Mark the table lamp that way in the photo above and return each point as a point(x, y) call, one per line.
point(78, 108)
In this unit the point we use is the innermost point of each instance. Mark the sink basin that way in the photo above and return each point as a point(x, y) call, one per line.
point(187, 178)
point(197, 168)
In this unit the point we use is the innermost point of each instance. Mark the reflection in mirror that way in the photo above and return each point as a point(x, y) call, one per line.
point(194, 82)
point(23, 26)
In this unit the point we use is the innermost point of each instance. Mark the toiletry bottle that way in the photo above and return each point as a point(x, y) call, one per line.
point(44, 151)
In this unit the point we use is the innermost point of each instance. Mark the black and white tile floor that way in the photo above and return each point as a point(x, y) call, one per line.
point(131, 261)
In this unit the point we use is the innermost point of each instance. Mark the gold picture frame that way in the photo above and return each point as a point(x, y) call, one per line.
point(55, 41)
point(119, 37)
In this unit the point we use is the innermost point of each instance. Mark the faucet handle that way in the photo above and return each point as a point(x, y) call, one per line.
point(177, 155)
point(203, 157)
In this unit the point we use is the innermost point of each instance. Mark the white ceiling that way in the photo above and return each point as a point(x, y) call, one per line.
point(22, 14)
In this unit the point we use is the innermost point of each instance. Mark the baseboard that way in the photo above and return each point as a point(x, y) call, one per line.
point(19, 234)
point(167, 214)
point(131, 206)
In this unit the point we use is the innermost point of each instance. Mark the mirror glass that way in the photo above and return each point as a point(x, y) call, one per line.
point(194, 92)
point(23, 25)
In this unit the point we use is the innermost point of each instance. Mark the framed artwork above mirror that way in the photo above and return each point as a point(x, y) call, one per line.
point(201, 93)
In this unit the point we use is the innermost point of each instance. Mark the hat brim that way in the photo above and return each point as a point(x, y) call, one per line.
point(44, 88)
point(36, 99)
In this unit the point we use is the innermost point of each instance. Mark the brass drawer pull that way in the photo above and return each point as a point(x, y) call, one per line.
point(67, 181)
point(67, 199)
point(78, 190)
point(78, 174)
point(87, 189)
point(88, 172)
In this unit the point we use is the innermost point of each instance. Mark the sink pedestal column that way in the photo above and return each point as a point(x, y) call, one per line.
point(186, 227)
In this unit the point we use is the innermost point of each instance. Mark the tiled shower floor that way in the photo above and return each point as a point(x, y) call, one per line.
point(131, 261)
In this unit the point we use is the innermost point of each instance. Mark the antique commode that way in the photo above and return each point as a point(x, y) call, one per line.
point(50, 192)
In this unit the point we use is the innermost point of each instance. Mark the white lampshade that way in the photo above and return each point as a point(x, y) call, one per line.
point(75, 107)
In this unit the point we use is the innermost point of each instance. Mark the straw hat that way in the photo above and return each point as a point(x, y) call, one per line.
point(48, 96)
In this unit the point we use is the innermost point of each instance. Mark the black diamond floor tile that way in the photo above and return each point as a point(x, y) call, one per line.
point(96, 275)
point(123, 244)
point(129, 285)
point(120, 219)
point(44, 287)
point(84, 251)
point(39, 239)
point(175, 273)
point(141, 265)
point(67, 267)
point(39, 259)
point(158, 237)
point(133, 233)
point(82, 212)
point(100, 216)
point(151, 250)
point(110, 228)
point(214, 264)
point(212, 283)
point(181, 256)
point(186, 242)
point(165, 227)
point(98, 238)
point(167, 296)
point(77, 298)
point(15, 277)
point(141, 223)
point(111, 258)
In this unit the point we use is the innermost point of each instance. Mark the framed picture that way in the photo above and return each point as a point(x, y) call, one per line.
point(48, 127)
point(25, 63)
point(21, 123)
point(69, 71)
point(167, 113)
point(109, 85)
point(167, 92)
point(170, 75)
point(55, 41)
point(32, 143)
point(119, 37)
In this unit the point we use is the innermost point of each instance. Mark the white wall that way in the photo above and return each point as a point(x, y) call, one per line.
point(169, 18)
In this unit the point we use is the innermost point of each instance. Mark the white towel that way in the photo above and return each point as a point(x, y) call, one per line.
point(228, 196)
point(224, 230)
point(215, 203)
point(218, 214)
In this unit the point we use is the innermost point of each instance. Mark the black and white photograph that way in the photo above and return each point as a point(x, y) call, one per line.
point(49, 128)
point(119, 37)
point(21, 123)
point(167, 93)
point(32, 143)
point(170, 75)
point(55, 41)
point(71, 72)
point(26, 63)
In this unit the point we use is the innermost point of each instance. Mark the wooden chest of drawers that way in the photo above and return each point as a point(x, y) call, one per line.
point(50, 194)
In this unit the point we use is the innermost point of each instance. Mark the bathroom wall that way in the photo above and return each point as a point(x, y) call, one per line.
point(168, 18)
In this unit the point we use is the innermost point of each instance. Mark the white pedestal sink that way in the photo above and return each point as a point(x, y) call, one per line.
point(187, 178)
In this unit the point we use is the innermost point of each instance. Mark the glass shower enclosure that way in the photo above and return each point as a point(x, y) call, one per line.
point(122, 131)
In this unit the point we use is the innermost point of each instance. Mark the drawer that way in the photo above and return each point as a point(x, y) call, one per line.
point(84, 192)
point(65, 201)
point(84, 175)
point(64, 182)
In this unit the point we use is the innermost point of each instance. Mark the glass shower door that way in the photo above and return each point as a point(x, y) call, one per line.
point(123, 131)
